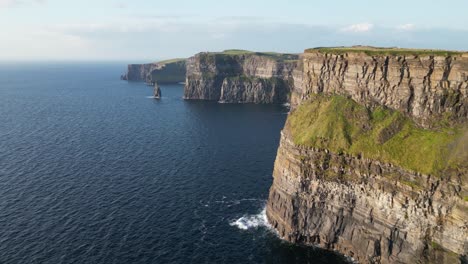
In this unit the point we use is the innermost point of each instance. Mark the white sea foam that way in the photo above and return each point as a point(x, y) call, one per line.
point(252, 221)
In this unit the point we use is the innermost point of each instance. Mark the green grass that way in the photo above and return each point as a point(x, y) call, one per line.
point(411, 184)
point(344, 126)
point(374, 51)
point(172, 61)
point(286, 57)
point(236, 52)
point(323, 123)
point(436, 245)
point(440, 253)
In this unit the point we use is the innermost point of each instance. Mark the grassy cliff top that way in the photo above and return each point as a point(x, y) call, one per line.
point(273, 55)
point(235, 52)
point(172, 61)
point(376, 51)
point(342, 125)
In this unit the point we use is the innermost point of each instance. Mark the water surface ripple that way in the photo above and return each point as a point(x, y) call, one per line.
point(94, 171)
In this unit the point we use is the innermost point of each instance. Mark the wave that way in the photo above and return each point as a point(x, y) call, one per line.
point(247, 222)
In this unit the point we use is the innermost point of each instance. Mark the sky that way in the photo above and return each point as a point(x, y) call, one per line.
point(145, 30)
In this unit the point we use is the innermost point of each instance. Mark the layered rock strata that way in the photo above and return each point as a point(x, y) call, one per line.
point(172, 71)
point(375, 210)
point(240, 78)
point(424, 87)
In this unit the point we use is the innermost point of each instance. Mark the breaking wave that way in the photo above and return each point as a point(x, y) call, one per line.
point(247, 222)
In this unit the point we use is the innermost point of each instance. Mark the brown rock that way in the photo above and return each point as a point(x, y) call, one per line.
point(243, 78)
point(372, 211)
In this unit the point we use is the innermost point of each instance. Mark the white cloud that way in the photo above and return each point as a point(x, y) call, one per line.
point(362, 27)
point(15, 3)
point(8, 3)
point(144, 38)
point(406, 27)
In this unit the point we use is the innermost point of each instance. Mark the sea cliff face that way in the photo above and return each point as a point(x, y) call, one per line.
point(137, 72)
point(240, 77)
point(171, 71)
point(373, 158)
point(424, 87)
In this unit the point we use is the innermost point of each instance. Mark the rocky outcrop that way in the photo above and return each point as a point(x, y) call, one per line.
point(171, 71)
point(240, 77)
point(347, 200)
point(157, 91)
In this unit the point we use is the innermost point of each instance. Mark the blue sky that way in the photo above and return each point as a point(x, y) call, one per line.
point(144, 30)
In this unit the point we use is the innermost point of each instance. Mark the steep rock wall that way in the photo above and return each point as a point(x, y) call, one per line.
point(371, 211)
point(424, 87)
point(161, 72)
point(375, 211)
point(137, 72)
point(240, 78)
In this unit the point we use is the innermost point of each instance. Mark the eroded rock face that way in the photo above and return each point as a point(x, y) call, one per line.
point(423, 87)
point(162, 72)
point(247, 78)
point(138, 72)
point(372, 211)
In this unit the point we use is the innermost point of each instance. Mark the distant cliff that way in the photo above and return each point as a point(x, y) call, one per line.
point(170, 71)
point(237, 76)
point(373, 159)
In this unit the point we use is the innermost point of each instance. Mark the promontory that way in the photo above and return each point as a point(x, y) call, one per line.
point(373, 158)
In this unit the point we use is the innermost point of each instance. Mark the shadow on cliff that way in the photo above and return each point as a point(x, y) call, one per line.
point(459, 150)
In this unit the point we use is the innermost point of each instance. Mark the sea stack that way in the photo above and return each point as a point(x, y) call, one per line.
point(157, 91)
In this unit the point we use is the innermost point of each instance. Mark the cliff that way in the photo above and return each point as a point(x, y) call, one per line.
point(373, 159)
point(237, 76)
point(170, 71)
point(426, 85)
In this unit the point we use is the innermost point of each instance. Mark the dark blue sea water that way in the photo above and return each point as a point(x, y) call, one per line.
point(94, 171)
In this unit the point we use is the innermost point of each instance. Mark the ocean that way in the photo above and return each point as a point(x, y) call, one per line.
point(93, 170)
